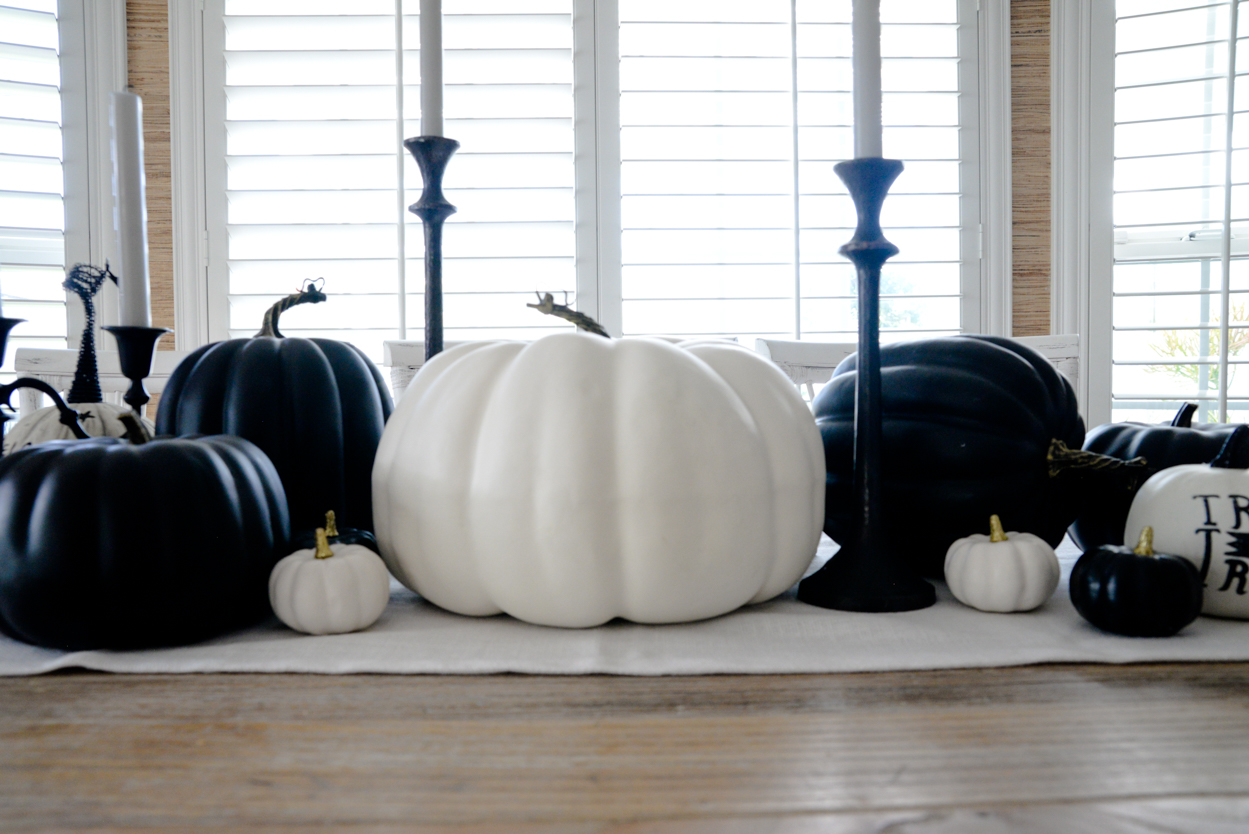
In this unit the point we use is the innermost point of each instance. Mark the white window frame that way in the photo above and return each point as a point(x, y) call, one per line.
point(92, 36)
point(1082, 58)
point(200, 289)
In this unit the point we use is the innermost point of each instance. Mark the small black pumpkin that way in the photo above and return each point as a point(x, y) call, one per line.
point(1135, 591)
point(1160, 447)
point(973, 425)
point(105, 544)
point(316, 407)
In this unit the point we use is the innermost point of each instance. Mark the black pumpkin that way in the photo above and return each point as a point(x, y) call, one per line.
point(307, 540)
point(1136, 592)
point(316, 407)
point(107, 544)
point(969, 423)
point(1105, 511)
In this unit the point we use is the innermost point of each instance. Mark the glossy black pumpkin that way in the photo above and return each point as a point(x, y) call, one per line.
point(968, 423)
point(316, 407)
point(1123, 592)
point(106, 544)
point(1105, 511)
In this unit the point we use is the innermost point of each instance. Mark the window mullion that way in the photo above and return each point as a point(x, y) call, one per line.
point(596, 94)
point(1226, 254)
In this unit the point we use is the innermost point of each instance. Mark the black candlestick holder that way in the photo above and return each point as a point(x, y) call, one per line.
point(432, 153)
point(69, 417)
point(5, 326)
point(867, 574)
point(135, 348)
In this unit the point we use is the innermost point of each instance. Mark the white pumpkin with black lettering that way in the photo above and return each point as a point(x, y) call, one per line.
point(1201, 512)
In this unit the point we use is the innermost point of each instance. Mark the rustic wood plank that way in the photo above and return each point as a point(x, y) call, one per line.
point(266, 750)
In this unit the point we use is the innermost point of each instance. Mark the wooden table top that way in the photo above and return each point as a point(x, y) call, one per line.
point(1069, 748)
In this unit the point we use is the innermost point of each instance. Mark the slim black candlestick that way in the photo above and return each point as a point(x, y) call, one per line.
point(135, 348)
point(5, 326)
point(867, 574)
point(432, 154)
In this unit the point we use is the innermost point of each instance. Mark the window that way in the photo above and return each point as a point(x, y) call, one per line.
point(1180, 281)
point(32, 210)
point(668, 163)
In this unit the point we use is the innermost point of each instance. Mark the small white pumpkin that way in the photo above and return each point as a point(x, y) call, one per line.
point(96, 419)
point(1001, 572)
point(331, 589)
point(1201, 511)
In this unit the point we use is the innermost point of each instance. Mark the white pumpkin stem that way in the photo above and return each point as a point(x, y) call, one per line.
point(996, 533)
point(331, 525)
point(546, 304)
point(1145, 546)
point(136, 432)
point(323, 545)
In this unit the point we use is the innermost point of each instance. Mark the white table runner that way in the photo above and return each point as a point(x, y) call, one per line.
point(781, 636)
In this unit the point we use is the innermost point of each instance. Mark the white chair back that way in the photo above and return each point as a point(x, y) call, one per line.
point(56, 367)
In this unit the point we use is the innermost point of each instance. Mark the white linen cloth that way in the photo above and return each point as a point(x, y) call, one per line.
point(781, 636)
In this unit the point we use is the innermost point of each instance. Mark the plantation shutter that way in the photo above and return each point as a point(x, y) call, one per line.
point(32, 213)
point(1176, 196)
point(312, 165)
point(731, 116)
point(711, 194)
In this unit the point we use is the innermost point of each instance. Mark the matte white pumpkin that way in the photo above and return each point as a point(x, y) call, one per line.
point(329, 594)
point(577, 479)
point(1201, 512)
point(1001, 572)
point(97, 420)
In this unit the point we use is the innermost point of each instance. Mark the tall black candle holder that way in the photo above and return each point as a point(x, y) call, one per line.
point(432, 154)
point(135, 347)
point(5, 326)
point(867, 574)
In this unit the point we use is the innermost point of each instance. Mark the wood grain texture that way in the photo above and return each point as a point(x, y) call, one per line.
point(799, 753)
point(1030, 165)
point(147, 45)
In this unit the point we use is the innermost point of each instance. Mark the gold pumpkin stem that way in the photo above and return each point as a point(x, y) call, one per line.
point(331, 525)
point(996, 533)
point(1145, 547)
point(323, 545)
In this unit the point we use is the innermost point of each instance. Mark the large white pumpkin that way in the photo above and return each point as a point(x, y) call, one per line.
point(1201, 511)
point(577, 479)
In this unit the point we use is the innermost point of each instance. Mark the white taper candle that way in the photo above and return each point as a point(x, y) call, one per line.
point(431, 67)
point(130, 209)
point(865, 30)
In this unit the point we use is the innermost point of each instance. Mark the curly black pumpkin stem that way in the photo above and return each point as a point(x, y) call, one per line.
point(1062, 458)
point(546, 304)
point(1145, 545)
point(85, 281)
point(323, 545)
point(310, 294)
